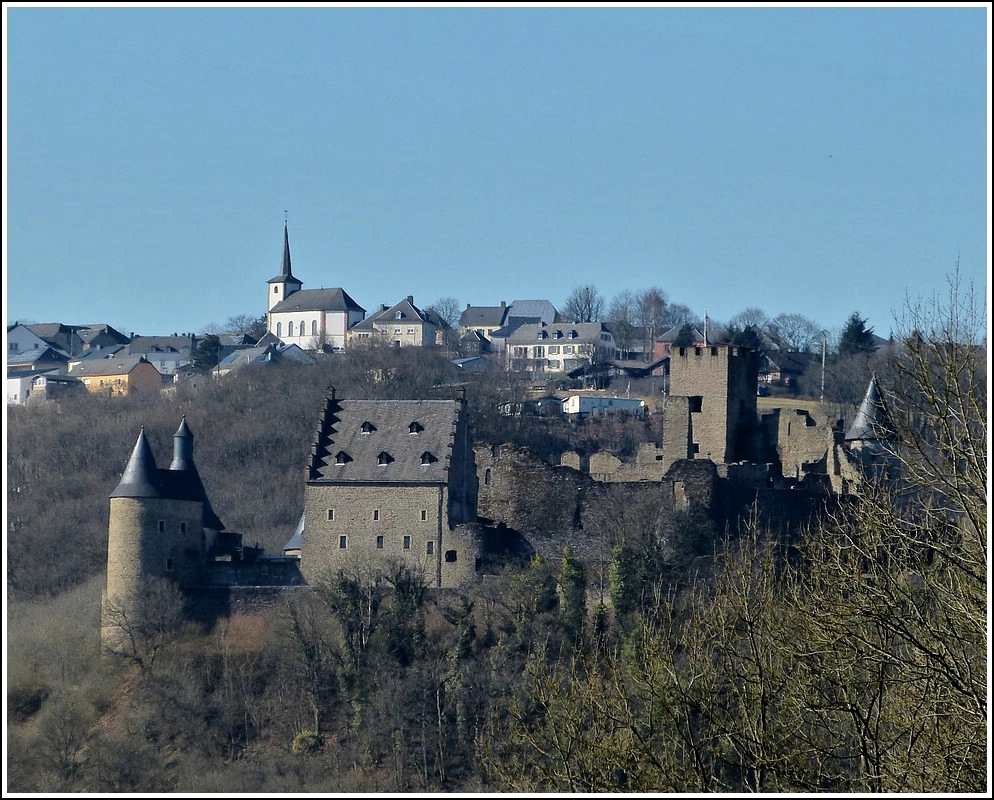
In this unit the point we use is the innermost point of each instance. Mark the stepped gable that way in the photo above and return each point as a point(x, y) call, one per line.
point(383, 441)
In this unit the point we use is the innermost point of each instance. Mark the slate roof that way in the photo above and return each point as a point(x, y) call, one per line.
point(161, 344)
point(871, 421)
point(483, 316)
point(384, 441)
point(559, 333)
point(672, 333)
point(542, 309)
point(47, 355)
point(100, 330)
point(119, 365)
point(334, 299)
point(143, 479)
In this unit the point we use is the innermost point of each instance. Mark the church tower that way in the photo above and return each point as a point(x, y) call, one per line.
point(284, 284)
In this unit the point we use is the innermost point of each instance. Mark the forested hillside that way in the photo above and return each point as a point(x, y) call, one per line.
point(852, 659)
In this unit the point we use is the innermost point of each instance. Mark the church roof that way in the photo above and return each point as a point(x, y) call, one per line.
point(286, 275)
point(317, 300)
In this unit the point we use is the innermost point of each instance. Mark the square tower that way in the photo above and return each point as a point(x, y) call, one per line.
point(719, 415)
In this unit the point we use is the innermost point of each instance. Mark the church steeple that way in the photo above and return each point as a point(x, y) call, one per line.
point(285, 270)
point(284, 284)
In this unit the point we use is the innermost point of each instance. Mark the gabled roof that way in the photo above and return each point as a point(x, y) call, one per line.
point(672, 333)
point(46, 354)
point(162, 344)
point(103, 352)
point(119, 365)
point(317, 300)
point(403, 312)
point(376, 442)
point(542, 309)
point(103, 332)
point(558, 333)
point(513, 323)
point(483, 316)
point(249, 355)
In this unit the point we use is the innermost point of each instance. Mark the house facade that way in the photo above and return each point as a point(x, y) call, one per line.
point(560, 347)
point(391, 482)
point(401, 325)
point(312, 319)
point(119, 376)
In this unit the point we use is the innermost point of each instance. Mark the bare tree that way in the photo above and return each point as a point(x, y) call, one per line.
point(584, 304)
point(651, 315)
point(142, 625)
point(448, 309)
point(795, 332)
point(621, 316)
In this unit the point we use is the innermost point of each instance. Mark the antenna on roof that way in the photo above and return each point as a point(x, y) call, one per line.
point(284, 216)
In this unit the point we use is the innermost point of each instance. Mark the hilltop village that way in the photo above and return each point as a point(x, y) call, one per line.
point(404, 481)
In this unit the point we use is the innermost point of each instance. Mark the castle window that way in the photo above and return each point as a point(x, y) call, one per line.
point(696, 403)
point(450, 556)
point(376, 514)
point(385, 458)
point(486, 477)
point(342, 458)
point(427, 458)
point(714, 351)
point(697, 351)
point(696, 448)
point(169, 565)
point(162, 526)
point(431, 548)
point(343, 542)
point(415, 428)
point(368, 427)
point(379, 542)
point(182, 527)
point(331, 514)
point(407, 542)
point(424, 515)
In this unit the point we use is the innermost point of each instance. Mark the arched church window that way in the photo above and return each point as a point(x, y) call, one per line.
point(279, 328)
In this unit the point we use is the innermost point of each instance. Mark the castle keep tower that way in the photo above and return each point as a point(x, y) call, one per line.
point(161, 522)
point(391, 481)
point(711, 412)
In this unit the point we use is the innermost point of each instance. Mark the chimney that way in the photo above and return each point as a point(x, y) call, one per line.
point(410, 299)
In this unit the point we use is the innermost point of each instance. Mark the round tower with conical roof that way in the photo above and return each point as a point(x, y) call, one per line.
point(160, 520)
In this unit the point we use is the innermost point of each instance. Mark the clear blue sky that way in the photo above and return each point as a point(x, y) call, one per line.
point(804, 160)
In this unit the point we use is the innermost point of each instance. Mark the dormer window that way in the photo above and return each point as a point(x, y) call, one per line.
point(341, 458)
point(559, 334)
point(573, 334)
point(368, 427)
point(427, 458)
point(384, 458)
point(542, 334)
point(415, 428)
point(398, 315)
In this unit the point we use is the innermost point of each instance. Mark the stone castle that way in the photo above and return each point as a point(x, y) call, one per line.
point(401, 482)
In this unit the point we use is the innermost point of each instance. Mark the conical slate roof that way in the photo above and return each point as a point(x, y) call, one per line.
point(286, 275)
point(141, 476)
point(871, 416)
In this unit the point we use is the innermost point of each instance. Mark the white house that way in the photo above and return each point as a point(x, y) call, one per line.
point(581, 405)
point(560, 347)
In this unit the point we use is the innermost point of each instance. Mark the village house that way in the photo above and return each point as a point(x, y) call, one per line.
point(560, 347)
point(119, 376)
point(402, 325)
